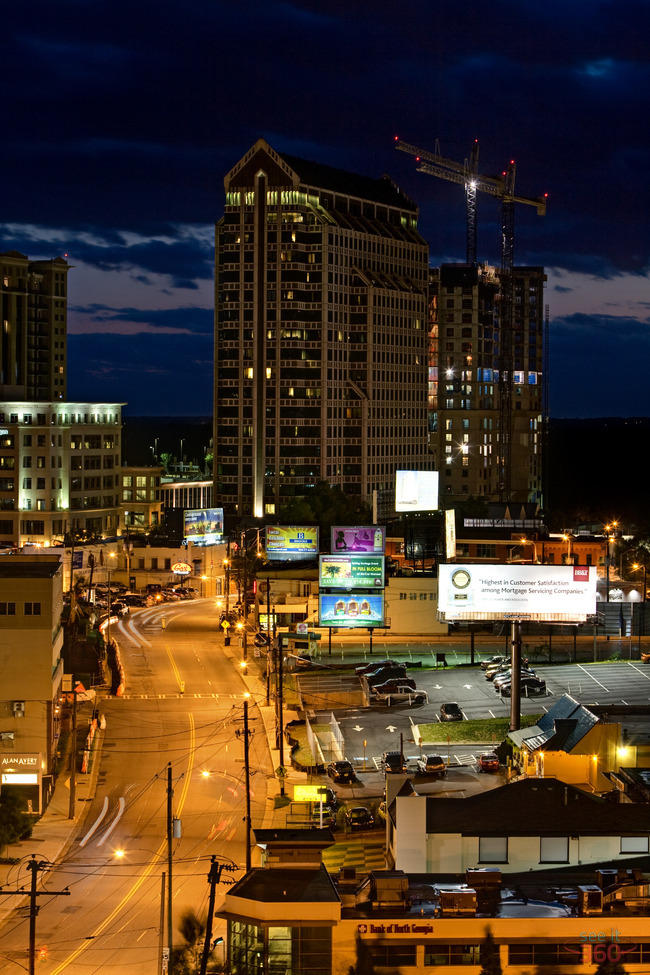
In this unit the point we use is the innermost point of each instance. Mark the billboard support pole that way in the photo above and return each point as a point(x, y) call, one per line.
point(329, 641)
point(515, 685)
point(370, 632)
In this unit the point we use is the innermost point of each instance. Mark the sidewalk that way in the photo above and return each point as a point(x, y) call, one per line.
point(53, 832)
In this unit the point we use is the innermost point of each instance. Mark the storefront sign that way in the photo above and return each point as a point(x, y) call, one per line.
point(181, 569)
point(415, 927)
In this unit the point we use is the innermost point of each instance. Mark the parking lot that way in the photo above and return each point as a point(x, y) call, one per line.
point(369, 731)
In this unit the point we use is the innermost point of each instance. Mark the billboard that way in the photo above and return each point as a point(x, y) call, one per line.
point(353, 571)
point(550, 593)
point(291, 542)
point(203, 526)
point(354, 609)
point(450, 533)
point(368, 538)
point(416, 490)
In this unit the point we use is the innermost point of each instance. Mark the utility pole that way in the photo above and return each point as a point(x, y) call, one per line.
point(247, 770)
point(34, 866)
point(213, 879)
point(280, 713)
point(170, 793)
point(161, 925)
point(73, 754)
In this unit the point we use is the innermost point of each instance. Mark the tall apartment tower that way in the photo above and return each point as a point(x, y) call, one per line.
point(33, 314)
point(464, 403)
point(321, 282)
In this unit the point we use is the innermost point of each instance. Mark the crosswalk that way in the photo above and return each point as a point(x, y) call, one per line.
point(177, 694)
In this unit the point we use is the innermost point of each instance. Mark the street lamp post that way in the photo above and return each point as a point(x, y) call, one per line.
point(636, 566)
point(567, 539)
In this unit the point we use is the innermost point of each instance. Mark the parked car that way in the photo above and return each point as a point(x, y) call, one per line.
point(385, 673)
point(450, 712)
point(134, 599)
point(329, 817)
point(330, 798)
point(359, 817)
point(341, 771)
point(488, 762)
point(506, 677)
point(392, 684)
point(374, 665)
point(393, 762)
point(494, 669)
point(399, 694)
point(432, 765)
point(491, 661)
point(381, 812)
point(120, 608)
point(527, 685)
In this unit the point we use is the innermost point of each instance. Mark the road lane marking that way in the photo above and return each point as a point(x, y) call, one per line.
point(638, 670)
point(155, 861)
point(95, 825)
point(174, 668)
point(121, 804)
point(606, 689)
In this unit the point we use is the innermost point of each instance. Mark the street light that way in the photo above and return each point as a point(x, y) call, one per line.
point(529, 541)
point(567, 538)
point(636, 567)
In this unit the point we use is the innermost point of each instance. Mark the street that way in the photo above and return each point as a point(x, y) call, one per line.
point(184, 704)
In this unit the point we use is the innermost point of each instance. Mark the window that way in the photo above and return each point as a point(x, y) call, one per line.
point(27, 440)
point(27, 461)
point(554, 849)
point(452, 954)
point(553, 954)
point(7, 609)
point(493, 849)
point(32, 609)
point(634, 844)
point(391, 956)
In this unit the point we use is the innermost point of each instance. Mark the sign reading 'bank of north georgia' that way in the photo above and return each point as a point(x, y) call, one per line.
point(554, 593)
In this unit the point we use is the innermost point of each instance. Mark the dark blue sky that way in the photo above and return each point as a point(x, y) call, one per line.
point(120, 120)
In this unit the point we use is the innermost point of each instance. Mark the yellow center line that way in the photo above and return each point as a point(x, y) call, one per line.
point(177, 674)
point(147, 870)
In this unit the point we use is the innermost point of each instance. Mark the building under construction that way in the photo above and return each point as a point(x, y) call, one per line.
point(487, 351)
point(466, 421)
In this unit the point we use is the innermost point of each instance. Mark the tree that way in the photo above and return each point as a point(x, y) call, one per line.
point(326, 505)
point(14, 823)
point(186, 960)
point(490, 956)
point(608, 957)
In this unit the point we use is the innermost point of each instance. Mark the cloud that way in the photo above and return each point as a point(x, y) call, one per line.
point(100, 319)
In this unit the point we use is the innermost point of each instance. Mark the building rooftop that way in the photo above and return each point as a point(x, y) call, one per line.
point(351, 184)
point(29, 567)
point(292, 886)
point(560, 729)
point(532, 807)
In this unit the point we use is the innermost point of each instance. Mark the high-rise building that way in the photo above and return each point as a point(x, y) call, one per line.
point(59, 471)
point(320, 333)
point(466, 416)
point(33, 320)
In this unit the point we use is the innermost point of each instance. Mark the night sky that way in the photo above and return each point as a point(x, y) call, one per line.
point(119, 121)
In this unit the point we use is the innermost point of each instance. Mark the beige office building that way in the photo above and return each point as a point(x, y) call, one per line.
point(59, 471)
point(31, 669)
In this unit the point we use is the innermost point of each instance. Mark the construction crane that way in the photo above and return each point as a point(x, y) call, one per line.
point(502, 187)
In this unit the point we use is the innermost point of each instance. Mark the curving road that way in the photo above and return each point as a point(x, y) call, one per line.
point(183, 705)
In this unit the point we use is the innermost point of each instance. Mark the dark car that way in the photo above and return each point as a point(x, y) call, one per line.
point(358, 817)
point(393, 762)
point(341, 771)
point(134, 599)
point(373, 665)
point(488, 762)
point(329, 817)
point(527, 685)
point(385, 673)
point(432, 765)
point(393, 684)
point(450, 712)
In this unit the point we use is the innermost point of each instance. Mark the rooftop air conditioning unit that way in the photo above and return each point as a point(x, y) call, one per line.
point(18, 708)
point(459, 902)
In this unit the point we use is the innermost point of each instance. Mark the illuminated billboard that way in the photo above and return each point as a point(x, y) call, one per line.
point(351, 610)
point(416, 490)
point(450, 533)
point(368, 538)
point(352, 571)
point(549, 593)
point(203, 526)
point(291, 542)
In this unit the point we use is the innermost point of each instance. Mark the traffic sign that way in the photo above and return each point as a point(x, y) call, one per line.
point(225, 624)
